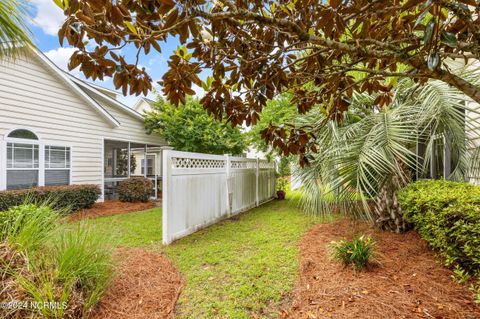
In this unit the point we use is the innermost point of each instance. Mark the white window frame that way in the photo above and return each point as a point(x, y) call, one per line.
point(143, 166)
point(41, 155)
point(69, 168)
point(14, 140)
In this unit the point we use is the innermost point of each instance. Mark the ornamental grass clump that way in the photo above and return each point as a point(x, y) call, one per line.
point(357, 252)
point(56, 271)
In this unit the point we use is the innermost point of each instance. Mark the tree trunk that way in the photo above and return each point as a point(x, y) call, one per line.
point(469, 89)
point(387, 210)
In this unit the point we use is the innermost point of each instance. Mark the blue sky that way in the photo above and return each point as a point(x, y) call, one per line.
point(46, 20)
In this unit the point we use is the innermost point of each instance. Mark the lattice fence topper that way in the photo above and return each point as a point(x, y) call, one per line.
point(266, 164)
point(197, 163)
point(243, 164)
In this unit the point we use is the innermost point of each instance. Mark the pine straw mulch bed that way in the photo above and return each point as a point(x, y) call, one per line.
point(406, 281)
point(147, 286)
point(109, 208)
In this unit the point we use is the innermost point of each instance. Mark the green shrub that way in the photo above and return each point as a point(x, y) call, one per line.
point(71, 197)
point(282, 183)
point(135, 189)
point(447, 215)
point(356, 252)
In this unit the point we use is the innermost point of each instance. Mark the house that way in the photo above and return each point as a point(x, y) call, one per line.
point(154, 154)
point(143, 105)
point(58, 130)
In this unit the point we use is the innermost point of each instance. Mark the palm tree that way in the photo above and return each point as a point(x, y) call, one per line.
point(370, 156)
point(14, 32)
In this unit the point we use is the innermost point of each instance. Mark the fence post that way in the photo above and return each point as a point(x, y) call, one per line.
point(274, 173)
point(229, 196)
point(256, 182)
point(166, 174)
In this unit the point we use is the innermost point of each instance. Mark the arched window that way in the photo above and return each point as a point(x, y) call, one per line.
point(23, 134)
point(27, 168)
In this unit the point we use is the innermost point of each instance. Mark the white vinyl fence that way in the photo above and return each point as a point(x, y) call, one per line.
point(201, 189)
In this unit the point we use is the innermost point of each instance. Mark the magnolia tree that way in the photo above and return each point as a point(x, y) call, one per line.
point(319, 51)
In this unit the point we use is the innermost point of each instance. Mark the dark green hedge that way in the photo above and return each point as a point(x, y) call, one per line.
point(135, 189)
point(447, 216)
point(71, 197)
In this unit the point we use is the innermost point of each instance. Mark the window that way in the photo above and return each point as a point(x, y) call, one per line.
point(150, 165)
point(23, 134)
point(30, 163)
point(57, 165)
point(22, 165)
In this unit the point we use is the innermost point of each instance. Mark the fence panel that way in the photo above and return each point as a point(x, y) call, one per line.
point(266, 185)
point(242, 187)
point(201, 189)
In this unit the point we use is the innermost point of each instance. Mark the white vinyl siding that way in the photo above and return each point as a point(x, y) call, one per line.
point(32, 96)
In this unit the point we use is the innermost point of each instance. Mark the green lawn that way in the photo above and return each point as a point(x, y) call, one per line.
point(233, 269)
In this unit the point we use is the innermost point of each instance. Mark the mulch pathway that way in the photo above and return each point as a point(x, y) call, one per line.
point(111, 207)
point(406, 281)
point(147, 286)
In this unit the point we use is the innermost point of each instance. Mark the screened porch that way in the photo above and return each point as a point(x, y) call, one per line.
point(124, 159)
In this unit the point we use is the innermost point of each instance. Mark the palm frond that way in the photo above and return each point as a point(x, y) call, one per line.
point(14, 31)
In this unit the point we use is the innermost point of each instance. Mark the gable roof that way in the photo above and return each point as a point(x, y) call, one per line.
point(69, 82)
point(140, 100)
point(83, 88)
point(93, 89)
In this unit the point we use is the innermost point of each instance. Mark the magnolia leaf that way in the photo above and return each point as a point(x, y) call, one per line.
point(204, 86)
point(335, 3)
point(59, 4)
point(209, 81)
point(411, 3)
point(433, 60)
point(469, 2)
point(427, 36)
point(273, 7)
point(449, 39)
point(420, 18)
point(131, 27)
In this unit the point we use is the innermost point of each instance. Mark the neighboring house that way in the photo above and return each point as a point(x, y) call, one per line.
point(57, 130)
point(143, 105)
point(253, 152)
point(154, 155)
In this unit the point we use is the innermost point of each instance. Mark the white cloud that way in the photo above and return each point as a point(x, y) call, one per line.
point(157, 59)
point(199, 91)
point(49, 17)
point(60, 57)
